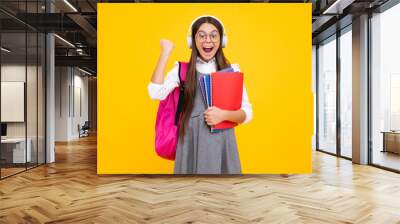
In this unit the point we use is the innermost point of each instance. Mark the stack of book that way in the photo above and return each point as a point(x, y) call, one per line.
point(222, 89)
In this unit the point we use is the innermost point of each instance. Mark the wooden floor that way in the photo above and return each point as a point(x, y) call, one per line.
point(69, 191)
point(387, 159)
point(9, 171)
point(5, 172)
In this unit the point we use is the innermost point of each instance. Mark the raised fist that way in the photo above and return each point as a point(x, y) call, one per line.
point(166, 46)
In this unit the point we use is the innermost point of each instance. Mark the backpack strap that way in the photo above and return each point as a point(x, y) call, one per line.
point(183, 68)
point(182, 73)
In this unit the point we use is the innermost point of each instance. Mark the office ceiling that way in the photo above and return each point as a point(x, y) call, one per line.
point(40, 5)
point(332, 15)
point(72, 20)
point(16, 42)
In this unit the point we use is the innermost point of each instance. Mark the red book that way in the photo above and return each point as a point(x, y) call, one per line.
point(226, 90)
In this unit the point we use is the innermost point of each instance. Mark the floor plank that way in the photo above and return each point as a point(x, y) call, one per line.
point(70, 191)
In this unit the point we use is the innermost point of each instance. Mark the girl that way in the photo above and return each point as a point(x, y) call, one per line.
point(199, 151)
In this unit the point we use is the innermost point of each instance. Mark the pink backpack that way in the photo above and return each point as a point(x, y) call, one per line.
point(169, 116)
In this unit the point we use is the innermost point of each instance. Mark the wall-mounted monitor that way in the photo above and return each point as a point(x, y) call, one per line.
point(12, 101)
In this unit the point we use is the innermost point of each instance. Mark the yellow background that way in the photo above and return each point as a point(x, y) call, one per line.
point(270, 42)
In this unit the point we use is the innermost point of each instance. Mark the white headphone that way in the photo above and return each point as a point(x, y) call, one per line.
point(224, 37)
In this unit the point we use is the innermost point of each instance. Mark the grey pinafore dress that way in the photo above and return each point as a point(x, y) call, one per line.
point(203, 152)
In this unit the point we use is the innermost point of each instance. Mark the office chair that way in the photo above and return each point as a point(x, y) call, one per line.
point(84, 130)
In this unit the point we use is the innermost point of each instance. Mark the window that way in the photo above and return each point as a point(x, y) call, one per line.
point(385, 88)
point(327, 95)
point(346, 93)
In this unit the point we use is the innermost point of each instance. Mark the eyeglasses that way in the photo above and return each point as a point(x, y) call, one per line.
point(202, 36)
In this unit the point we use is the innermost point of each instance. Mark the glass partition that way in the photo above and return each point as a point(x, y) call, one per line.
point(22, 77)
point(15, 150)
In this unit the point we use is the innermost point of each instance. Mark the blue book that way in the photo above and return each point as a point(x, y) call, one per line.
point(203, 90)
point(207, 84)
point(207, 98)
point(206, 90)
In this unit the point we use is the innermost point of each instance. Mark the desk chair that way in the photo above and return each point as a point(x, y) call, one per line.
point(84, 130)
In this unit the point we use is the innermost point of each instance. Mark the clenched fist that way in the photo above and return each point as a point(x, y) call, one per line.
point(166, 46)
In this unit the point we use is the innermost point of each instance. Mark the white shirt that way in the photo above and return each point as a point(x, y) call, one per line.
point(161, 91)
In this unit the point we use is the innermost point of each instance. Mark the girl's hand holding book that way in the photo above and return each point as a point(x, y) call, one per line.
point(214, 115)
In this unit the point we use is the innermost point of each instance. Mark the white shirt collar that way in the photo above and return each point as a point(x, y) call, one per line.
point(206, 67)
point(205, 62)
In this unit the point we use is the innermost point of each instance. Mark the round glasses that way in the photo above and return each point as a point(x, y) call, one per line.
point(202, 36)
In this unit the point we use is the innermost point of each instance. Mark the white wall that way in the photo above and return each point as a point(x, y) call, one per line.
point(71, 87)
point(81, 82)
point(62, 78)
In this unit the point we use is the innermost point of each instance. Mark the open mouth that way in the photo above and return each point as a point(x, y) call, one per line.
point(207, 49)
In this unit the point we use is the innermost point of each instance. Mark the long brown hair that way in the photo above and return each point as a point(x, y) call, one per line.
point(190, 84)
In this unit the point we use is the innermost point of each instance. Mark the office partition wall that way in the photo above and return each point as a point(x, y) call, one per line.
point(22, 87)
point(15, 152)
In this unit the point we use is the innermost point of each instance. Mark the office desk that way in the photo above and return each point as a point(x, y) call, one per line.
point(13, 150)
point(391, 141)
